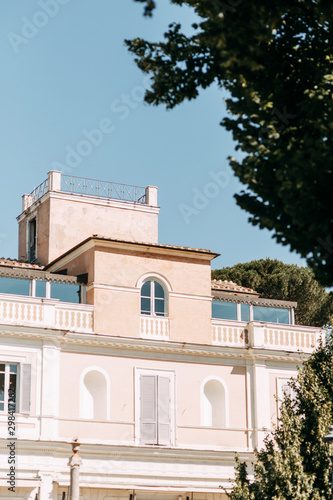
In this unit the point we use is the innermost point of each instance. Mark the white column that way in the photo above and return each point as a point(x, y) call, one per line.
point(250, 405)
point(26, 201)
point(151, 196)
point(262, 401)
point(50, 391)
point(75, 463)
point(54, 178)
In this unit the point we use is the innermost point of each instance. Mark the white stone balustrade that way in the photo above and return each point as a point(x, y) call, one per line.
point(45, 313)
point(289, 338)
point(152, 327)
point(229, 333)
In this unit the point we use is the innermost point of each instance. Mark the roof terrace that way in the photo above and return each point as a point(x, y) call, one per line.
point(57, 181)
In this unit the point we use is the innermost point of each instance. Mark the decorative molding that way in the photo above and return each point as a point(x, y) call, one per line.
point(137, 347)
point(255, 301)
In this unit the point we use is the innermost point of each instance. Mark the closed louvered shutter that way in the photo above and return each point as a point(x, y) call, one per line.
point(148, 409)
point(25, 388)
point(163, 410)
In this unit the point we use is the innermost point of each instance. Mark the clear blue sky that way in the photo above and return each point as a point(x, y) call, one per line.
point(64, 69)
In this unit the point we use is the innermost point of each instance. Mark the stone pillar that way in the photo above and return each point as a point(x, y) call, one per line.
point(26, 201)
point(151, 196)
point(75, 463)
point(54, 178)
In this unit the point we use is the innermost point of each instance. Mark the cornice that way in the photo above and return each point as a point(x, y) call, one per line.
point(128, 347)
point(256, 301)
point(130, 451)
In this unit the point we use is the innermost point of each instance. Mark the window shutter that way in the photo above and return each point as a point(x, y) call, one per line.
point(148, 417)
point(25, 388)
point(163, 410)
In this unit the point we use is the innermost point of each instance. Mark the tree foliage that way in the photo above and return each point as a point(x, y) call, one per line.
point(276, 61)
point(294, 463)
point(274, 279)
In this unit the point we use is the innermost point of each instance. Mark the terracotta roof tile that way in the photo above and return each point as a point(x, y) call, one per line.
point(19, 264)
point(230, 286)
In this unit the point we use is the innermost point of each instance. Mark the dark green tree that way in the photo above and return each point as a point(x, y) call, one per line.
point(274, 279)
point(276, 61)
point(294, 463)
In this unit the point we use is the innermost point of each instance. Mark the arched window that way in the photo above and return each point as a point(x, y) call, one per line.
point(94, 396)
point(214, 404)
point(153, 298)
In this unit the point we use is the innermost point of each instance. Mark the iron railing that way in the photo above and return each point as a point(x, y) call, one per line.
point(103, 189)
point(39, 191)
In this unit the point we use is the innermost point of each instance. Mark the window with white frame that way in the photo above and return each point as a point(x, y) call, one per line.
point(284, 389)
point(15, 385)
point(153, 301)
point(155, 419)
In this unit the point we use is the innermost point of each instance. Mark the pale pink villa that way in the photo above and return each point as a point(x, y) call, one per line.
point(127, 345)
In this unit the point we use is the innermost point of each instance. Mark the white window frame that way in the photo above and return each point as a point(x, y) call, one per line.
point(282, 382)
point(291, 312)
point(7, 372)
point(152, 298)
point(172, 378)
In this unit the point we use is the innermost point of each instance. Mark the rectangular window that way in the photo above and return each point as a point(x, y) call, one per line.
point(155, 409)
point(15, 378)
point(65, 292)
point(245, 312)
point(224, 310)
point(32, 240)
point(284, 389)
point(40, 288)
point(271, 314)
point(8, 383)
point(14, 286)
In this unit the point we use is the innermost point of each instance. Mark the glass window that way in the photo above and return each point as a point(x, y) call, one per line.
point(8, 386)
point(224, 310)
point(40, 288)
point(245, 312)
point(152, 298)
point(65, 292)
point(32, 240)
point(14, 286)
point(271, 314)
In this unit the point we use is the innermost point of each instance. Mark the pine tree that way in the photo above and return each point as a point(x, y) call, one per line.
point(274, 279)
point(294, 462)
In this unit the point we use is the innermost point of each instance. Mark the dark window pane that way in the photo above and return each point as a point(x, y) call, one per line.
point(145, 289)
point(2, 368)
point(12, 383)
point(159, 292)
point(32, 239)
point(224, 310)
point(65, 292)
point(14, 286)
point(159, 307)
point(245, 312)
point(145, 306)
point(40, 288)
point(2, 386)
point(271, 314)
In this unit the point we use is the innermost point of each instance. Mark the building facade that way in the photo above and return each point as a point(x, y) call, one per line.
point(129, 347)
